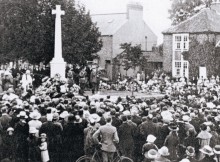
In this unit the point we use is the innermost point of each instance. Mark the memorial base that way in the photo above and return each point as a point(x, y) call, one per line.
point(57, 66)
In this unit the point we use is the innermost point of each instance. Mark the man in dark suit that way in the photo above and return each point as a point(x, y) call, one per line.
point(53, 132)
point(109, 137)
point(126, 135)
point(5, 119)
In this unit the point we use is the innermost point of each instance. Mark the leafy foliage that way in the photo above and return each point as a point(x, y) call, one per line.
point(184, 9)
point(131, 56)
point(28, 31)
point(202, 54)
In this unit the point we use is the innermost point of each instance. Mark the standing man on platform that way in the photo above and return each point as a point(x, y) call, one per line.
point(26, 80)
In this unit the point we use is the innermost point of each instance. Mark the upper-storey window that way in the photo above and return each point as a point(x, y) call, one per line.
point(181, 42)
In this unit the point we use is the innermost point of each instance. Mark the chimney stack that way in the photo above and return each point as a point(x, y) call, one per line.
point(215, 5)
point(134, 11)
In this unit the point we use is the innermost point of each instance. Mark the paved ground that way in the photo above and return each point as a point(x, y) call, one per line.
point(115, 94)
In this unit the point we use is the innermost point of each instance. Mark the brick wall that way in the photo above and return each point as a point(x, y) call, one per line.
point(167, 52)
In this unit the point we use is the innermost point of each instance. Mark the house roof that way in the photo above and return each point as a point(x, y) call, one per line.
point(109, 23)
point(153, 56)
point(207, 20)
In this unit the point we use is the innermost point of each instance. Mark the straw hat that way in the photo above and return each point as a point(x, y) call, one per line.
point(207, 150)
point(22, 114)
point(185, 160)
point(216, 149)
point(64, 114)
point(186, 118)
point(151, 154)
point(163, 151)
point(96, 117)
point(10, 129)
point(35, 115)
point(151, 138)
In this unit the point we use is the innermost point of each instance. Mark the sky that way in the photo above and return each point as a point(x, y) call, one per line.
point(155, 11)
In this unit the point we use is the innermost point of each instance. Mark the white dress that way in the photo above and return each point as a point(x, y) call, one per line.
point(26, 81)
point(44, 152)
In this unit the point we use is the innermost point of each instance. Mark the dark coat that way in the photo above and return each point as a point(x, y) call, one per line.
point(208, 159)
point(126, 135)
point(21, 133)
point(136, 119)
point(172, 143)
point(54, 133)
point(147, 128)
point(73, 140)
point(116, 122)
point(9, 146)
point(5, 121)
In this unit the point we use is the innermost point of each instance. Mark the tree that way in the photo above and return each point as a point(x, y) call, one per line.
point(184, 9)
point(28, 31)
point(131, 56)
point(202, 54)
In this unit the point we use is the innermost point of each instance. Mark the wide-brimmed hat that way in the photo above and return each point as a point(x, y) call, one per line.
point(185, 160)
point(216, 149)
point(186, 118)
point(64, 114)
point(190, 151)
point(173, 127)
point(151, 138)
point(151, 154)
point(207, 150)
point(22, 114)
point(96, 117)
point(163, 151)
point(35, 115)
point(10, 129)
point(10, 90)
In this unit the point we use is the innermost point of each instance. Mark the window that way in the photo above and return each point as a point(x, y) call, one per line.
point(185, 65)
point(178, 64)
point(177, 71)
point(178, 45)
point(181, 42)
point(178, 38)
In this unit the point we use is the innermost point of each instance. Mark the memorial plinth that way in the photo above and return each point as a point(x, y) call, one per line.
point(58, 65)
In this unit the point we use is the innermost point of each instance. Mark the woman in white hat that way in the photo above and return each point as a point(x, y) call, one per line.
point(208, 152)
point(204, 139)
point(163, 154)
point(216, 150)
point(34, 122)
point(148, 146)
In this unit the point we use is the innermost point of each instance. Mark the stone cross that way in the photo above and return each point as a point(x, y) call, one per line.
point(58, 35)
point(58, 65)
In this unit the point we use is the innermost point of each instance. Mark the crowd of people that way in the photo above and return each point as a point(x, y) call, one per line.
point(53, 123)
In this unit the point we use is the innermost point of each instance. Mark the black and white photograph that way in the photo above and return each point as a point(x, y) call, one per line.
point(109, 80)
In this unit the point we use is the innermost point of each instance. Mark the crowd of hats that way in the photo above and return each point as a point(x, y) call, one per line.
point(183, 102)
